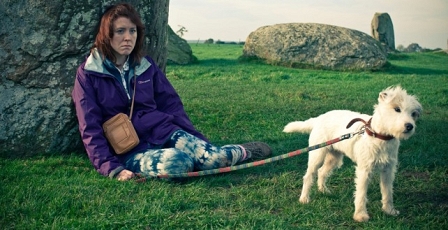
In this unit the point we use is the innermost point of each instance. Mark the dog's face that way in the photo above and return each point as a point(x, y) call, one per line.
point(398, 112)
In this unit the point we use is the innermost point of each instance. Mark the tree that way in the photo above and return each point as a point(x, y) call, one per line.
point(181, 31)
point(209, 41)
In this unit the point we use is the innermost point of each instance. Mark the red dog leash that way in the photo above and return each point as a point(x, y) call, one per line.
point(142, 178)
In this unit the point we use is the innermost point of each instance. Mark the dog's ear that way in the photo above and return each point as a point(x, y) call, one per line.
point(389, 93)
point(419, 108)
point(382, 96)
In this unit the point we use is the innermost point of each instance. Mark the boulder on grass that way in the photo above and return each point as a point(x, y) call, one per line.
point(312, 45)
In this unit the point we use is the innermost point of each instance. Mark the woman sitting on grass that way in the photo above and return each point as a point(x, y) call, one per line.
point(169, 143)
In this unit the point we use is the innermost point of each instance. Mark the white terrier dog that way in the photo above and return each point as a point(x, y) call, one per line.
point(393, 120)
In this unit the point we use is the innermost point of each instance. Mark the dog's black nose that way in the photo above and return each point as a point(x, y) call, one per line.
point(408, 126)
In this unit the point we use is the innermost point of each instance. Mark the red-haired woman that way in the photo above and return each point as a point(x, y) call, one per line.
point(169, 143)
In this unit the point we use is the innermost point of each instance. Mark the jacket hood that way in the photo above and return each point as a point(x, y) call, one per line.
point(95, 61)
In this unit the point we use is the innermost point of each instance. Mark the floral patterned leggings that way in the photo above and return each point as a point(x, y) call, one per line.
point(184, 153)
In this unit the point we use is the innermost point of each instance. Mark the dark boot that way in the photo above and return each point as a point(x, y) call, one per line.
point(257, 150)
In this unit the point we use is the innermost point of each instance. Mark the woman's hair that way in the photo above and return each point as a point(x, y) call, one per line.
point(106, 31)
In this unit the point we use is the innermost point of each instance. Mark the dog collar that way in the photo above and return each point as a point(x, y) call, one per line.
point(369, 130)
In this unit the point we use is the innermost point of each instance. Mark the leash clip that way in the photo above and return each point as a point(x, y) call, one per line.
point(362, 130)
point(350, 135)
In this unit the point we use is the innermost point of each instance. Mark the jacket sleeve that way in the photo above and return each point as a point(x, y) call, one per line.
point(168, 101)
point(90, 126)
point(165, 113)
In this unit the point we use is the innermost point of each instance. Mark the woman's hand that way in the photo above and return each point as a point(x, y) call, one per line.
point(125, 175)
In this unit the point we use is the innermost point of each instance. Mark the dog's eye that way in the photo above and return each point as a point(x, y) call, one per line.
point(415, 114)
point(397, 109)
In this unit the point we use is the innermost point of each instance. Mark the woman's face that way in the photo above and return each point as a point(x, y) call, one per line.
point(124, 38)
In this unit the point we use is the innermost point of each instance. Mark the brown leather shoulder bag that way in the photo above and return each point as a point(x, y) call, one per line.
point(119, 131)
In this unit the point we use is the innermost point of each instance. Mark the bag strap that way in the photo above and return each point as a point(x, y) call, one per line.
point(133, 96)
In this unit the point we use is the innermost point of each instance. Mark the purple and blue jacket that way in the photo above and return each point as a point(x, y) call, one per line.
point(98, 95)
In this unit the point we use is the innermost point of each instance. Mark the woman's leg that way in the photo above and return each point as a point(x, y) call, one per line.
point(186, 153)
point(205, 155)
point(155, 162)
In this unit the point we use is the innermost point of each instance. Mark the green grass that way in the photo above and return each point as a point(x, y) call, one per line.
point(234, 102)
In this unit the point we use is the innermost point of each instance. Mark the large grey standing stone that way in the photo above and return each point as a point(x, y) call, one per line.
point(179, 51)
point(313, 45)
point(383, 30)
point(42, 44)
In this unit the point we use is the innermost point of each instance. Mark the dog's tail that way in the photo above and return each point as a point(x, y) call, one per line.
point(300, 126)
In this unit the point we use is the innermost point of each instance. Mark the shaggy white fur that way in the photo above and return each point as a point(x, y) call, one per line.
point(394, 115)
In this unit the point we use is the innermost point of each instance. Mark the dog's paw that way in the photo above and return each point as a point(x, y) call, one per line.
point(391, 211)
point(361, 217)
point(324, 190)
point(304, 199)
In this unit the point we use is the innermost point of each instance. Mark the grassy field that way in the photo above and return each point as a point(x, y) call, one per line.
point(233, 102)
